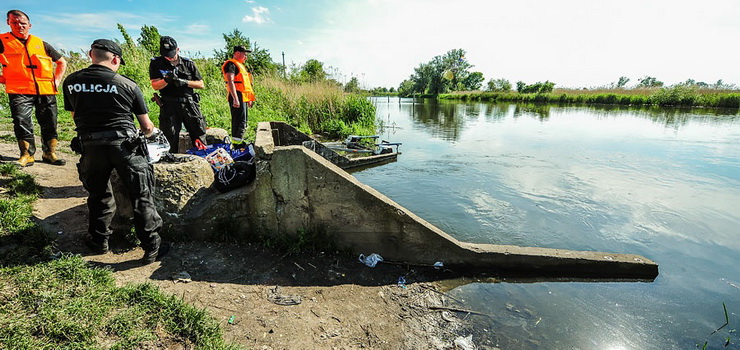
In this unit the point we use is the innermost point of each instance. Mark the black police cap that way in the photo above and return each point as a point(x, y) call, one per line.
point(110, 46)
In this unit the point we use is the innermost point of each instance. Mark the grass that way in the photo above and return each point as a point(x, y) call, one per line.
point(65, 304)
point(60, 302)
point(676, 96)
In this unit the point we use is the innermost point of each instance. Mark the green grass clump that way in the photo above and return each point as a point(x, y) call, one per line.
point(65, 304)
point(23, 241)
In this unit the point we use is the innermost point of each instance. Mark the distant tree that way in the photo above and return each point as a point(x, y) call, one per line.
point(499, 85)
point(693, 83)
point(448, 72)
point(353, 85)
point(520, 86)
point(473, 81)
point(391, 89)
point(648, 81)
point(149, 39)
point(259, 61)
point(622, 82)
point(537, 88)
point(721, 85)
point(406, 88)
point(311, 71)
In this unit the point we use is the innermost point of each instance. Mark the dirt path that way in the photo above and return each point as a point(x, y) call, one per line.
point(342, 303)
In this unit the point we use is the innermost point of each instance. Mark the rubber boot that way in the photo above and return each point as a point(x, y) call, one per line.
point(50, 155)
point(26, 159)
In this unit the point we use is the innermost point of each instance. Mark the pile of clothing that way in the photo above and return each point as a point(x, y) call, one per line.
point(233, 164)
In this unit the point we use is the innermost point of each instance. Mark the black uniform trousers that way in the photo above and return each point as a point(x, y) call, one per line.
point(176, 112)
point(239, 117)
point(96, 164)
point(21, 107)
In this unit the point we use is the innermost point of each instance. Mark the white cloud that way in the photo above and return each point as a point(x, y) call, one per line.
point(259, 15)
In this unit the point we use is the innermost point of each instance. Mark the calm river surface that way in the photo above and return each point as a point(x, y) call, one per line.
point(662, 184)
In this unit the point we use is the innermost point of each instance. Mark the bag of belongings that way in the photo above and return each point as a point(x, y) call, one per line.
point(239, 152)
point(234, 175)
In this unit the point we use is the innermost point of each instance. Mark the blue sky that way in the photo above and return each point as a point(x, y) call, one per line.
point(574, 43)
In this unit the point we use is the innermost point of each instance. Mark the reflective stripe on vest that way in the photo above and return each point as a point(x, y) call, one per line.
point(239, 78)
point(27, 69)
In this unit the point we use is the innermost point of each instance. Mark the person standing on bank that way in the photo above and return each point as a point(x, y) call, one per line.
point(103, 104)
point(240, 89)
point(31, 81)
point(175, 77)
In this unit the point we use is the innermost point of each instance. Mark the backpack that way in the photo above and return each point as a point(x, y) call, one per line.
point(234, 175)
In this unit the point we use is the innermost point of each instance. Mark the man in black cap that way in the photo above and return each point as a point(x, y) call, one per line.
point(240, 91)
point(103, 104)
point(175, 77)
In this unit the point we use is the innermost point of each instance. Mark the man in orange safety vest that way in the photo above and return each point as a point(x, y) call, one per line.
point(32, 70)
point(241, 91)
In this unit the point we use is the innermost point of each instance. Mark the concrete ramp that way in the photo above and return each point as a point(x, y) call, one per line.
point(300, 190)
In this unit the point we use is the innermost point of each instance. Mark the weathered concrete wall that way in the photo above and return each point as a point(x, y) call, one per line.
point(309, 191)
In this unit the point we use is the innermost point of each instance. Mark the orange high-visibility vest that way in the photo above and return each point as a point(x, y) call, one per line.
point(27, 69)
point(242, 80)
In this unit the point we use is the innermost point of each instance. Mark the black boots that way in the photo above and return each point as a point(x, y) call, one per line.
point(151, 256)
point(97, 247)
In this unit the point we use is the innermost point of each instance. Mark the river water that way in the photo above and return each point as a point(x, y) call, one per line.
point(664, 184)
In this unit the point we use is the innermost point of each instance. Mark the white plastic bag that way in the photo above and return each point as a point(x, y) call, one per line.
point(370, 260)
point(465, 343)
point(157, 145)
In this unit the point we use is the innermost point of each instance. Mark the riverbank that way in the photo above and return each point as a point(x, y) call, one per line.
point(677, 96)
point(339, 303)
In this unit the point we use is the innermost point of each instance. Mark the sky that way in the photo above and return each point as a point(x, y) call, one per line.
point(574, 43)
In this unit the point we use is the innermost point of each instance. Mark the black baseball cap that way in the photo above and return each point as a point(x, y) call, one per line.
point(110, 46)
point(241, 48)
point(167, 46)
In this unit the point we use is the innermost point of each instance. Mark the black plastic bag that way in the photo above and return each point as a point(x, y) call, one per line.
point(233, 176)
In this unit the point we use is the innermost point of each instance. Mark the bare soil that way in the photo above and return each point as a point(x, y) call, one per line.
point(339, 303)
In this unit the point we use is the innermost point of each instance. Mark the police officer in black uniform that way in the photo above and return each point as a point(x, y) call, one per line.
point(175, 77)
point(103, 103)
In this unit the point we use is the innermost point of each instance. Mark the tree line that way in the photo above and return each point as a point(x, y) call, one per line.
point(452, 72)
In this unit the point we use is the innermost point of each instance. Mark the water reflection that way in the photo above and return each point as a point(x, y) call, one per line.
point(661, 183)
point(541, 112)
point(446, 119)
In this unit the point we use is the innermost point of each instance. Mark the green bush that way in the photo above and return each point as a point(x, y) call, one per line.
point(680, 96)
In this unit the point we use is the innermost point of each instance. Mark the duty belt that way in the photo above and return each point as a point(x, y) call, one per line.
point(110, 134)
point(177, 99)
